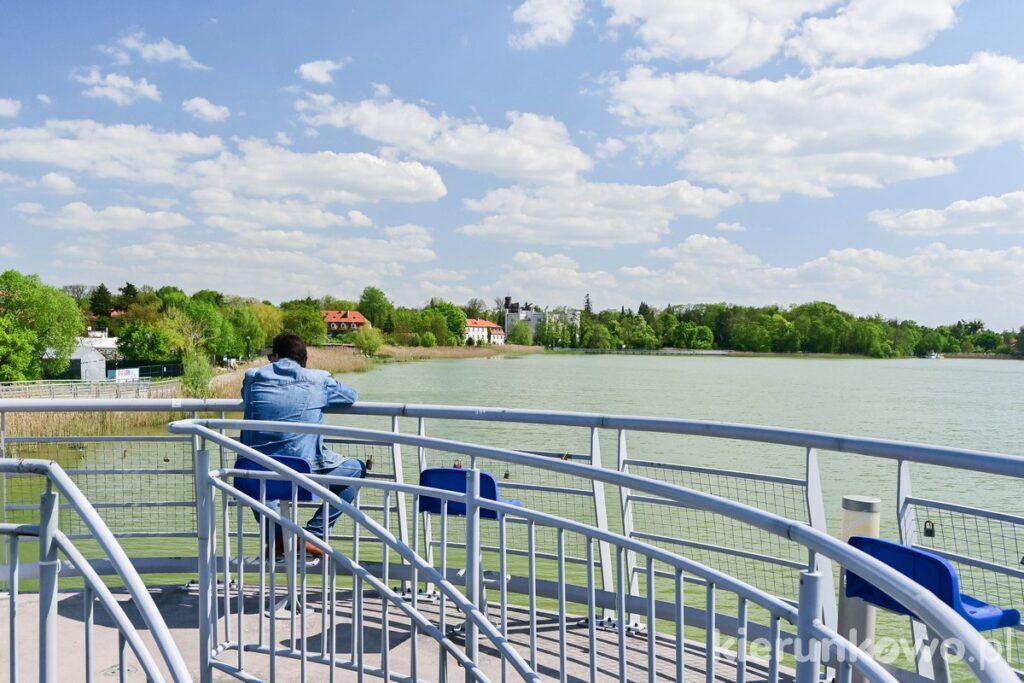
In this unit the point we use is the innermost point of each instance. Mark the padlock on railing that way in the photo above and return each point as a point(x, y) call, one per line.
point(457, 464)
point(929, 529)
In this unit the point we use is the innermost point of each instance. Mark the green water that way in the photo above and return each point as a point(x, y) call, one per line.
point(974, 404)
point(977, 404)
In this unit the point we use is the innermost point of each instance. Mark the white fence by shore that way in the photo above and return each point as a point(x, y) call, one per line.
point(140, 388)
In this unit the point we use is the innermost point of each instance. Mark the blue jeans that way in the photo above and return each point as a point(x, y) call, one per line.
point(351, 467)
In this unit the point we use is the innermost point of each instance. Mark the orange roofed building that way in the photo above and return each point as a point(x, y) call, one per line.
point(344, 321)
point(484, 332)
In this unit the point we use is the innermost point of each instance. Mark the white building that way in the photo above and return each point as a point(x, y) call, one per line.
point(99, 340)
point(484, 332)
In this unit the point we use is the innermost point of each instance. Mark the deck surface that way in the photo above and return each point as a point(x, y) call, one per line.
point(179, 606)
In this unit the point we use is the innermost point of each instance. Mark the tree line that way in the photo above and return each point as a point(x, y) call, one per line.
point(39, 324)
point(815, 327)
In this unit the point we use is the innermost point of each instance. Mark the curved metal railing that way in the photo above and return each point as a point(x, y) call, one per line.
point(987, 571)
point(984, 662)
point(51, 540)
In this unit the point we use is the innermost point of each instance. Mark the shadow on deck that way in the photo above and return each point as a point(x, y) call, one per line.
point(179, 606)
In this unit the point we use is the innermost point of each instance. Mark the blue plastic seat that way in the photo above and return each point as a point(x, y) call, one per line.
point(454, 479)
point(276, 489)
point(931, 571)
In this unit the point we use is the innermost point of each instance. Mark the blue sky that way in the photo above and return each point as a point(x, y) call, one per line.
point(863, 152)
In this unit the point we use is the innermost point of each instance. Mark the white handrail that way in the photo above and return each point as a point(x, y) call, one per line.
point(118, 558)
point(982, 658)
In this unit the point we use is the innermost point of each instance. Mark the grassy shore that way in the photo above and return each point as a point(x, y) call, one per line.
point(334, 359)
point(342, 359)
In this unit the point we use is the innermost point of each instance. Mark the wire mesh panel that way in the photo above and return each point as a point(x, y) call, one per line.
point(379, 465)
point(142, 487)
point(987, 549)
point(755, 556)
point(563, 495)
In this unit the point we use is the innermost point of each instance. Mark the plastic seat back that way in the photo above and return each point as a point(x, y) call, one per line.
point(276, 489)
point(454, 479)
point(931, 571)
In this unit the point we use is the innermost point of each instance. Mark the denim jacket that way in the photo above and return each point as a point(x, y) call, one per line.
point(284, 391)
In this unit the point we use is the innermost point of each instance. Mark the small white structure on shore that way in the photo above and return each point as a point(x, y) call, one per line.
point(87, 364)
point(101, 341)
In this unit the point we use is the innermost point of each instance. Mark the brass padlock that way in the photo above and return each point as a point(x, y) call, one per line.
point(929, 529)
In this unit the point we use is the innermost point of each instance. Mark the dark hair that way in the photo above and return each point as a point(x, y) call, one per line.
point(290, 346)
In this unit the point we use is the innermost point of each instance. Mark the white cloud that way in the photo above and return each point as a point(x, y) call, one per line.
point(638, 271)
point(598, 214)
point(8, 250)
point(125, 152)
point(202, 108)
point(734, 35)
point(81, 216)
point(117, 88)
point(283, 139)
point(552, 280)
point(160, 51)
point(739, 35)
point(239, 214)
point(1003, 214)
point(318, 266)
point(960, 283)
point(330, 177)
point(29, 208)
point(9, 108)
point(141, 155)
point(869, 29)
point(442, 275)
point(838, 127)
point(533, 148)
point(730, 227)
point(59, 183)
point(321, 71)
point(10, 179)
point(44, 99)
point(548, 22)
point(610, 148)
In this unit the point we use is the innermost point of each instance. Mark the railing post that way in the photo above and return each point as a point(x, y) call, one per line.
point(396, 463)
point(816, 518)
point(48, 568)
point(808, 648)
point(472, 562)
point(861, 517)
point(633, 582)
point(204, 523)
point(601, 515)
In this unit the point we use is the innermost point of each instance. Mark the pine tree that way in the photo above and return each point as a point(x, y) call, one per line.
point(101, 302)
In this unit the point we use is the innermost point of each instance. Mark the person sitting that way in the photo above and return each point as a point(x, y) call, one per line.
point(286, 391)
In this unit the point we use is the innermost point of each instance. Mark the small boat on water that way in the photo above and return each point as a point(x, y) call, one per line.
point(934, 355)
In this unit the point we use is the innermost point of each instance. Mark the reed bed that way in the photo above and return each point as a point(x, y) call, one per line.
point(334, 359)
point(403, 353)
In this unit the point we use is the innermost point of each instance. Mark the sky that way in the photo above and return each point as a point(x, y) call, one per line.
point(863, 152)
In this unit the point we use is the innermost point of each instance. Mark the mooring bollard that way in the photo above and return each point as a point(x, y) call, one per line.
point(861, 517)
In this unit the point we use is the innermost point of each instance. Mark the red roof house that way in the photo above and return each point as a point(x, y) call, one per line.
point(343, 321)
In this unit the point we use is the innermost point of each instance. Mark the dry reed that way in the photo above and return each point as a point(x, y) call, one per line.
point(334, 359)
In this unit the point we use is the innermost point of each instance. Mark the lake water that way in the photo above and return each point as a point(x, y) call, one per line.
point(977, 404)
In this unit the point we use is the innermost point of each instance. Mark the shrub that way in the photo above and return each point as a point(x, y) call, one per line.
point(196, 375)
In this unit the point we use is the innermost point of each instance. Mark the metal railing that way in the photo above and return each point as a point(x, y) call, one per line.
point(52, 542)
point(47, 389)
point(811, 634)
point(977, 540)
